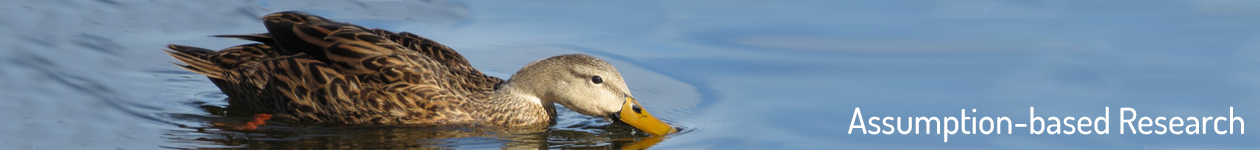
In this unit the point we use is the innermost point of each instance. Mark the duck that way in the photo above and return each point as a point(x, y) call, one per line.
point(310, 69)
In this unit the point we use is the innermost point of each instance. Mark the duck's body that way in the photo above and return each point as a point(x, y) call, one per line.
point(311, 69)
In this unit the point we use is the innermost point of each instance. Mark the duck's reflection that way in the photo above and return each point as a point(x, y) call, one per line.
point(280, 135)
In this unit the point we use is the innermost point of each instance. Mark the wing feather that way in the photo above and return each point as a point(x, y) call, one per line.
point(313, 69)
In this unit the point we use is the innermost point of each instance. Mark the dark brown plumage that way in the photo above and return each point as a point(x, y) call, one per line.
point(311, 69)
point(316, 70)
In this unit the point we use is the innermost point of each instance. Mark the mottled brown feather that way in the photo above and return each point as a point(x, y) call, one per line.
point(312, 69)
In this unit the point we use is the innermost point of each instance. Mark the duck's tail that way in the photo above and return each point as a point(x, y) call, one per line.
point(197, 60)
point(264, 38)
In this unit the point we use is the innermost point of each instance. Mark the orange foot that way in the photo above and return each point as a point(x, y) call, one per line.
point(259, 119)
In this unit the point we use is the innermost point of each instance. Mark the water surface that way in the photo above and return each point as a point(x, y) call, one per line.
point(733, 74)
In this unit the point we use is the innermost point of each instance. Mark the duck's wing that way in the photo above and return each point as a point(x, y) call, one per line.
point(300, 28)
point(316, 70)
point(349, 47)
point(471, 80)
point(399, 85)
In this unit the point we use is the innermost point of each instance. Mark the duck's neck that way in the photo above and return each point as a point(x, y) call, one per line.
point(512, 105)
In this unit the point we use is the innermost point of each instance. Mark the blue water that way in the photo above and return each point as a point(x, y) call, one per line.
point(734, 74)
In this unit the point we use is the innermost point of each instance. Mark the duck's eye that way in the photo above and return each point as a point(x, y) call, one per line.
point(597, 79)
point(636, 108)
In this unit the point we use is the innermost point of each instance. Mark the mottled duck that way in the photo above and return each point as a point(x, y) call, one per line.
point(311, 69)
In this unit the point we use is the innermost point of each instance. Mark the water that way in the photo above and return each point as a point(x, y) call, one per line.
point(742, 74)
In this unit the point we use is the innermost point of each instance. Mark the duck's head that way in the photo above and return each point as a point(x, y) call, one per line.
point(587, 85)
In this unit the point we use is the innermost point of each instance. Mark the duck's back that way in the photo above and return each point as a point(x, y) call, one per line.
point(315, 70)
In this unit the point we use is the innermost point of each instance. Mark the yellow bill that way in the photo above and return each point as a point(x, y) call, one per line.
point(632, 113)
